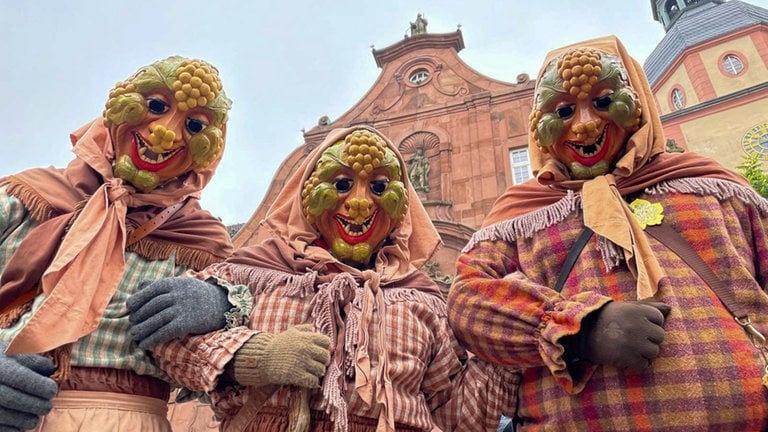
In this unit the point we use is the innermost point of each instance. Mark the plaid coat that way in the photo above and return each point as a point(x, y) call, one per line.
point(707, 375)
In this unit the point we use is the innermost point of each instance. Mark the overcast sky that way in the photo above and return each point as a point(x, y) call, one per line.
point(283, 63)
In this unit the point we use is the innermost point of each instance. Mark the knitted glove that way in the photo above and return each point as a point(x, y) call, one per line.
point(296, 356)
point(25, 390)
point(625, 335)
point(175, 307)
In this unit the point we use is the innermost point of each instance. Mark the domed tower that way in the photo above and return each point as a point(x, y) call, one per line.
point(668, 11)
point(709, 74)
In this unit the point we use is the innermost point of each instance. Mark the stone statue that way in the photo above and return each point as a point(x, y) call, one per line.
point(420, 26)
point(418, 170)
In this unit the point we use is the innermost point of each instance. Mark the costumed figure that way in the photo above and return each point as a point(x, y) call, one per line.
point(343, 332)
point(75, 242)
point(612, 279)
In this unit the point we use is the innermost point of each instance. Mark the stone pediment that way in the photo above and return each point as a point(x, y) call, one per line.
point(423, 75)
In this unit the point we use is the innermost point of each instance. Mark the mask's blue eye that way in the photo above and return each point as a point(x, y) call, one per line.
point(379, 186)
point(602, 103)
point(343, 184)
point(194, 125)
point(565, 111)
point(157, 106)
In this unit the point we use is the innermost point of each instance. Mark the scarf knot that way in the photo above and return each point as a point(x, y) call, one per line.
point(117, 190)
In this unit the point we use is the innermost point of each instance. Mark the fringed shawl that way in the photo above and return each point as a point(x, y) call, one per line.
point(274, 263)
point(288, 254)
point(644, 163)
point(75, 255)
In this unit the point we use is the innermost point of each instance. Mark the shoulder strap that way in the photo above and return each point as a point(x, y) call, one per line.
point(153, 223)
point(573, 255)
point(677, 243)
point(672, 239)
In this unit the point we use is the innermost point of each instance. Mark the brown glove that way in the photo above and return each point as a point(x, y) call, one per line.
point(625, 335)
point(296, 356)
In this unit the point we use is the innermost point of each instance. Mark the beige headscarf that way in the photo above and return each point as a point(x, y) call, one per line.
point(643, 164)
point(410, 249)
point(288, 242)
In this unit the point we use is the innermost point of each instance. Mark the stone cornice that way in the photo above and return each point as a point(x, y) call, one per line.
point(428, 40)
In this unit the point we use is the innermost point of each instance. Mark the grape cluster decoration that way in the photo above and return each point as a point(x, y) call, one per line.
point(198, 84)
point(580, 69)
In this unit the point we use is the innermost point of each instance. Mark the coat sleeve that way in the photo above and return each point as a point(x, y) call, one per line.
point(506, 319)
point(480, 393)
point(197, 362)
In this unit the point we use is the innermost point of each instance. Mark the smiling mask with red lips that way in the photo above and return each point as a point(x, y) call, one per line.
point(166, 120)
point(355, 197)
point(584, 111)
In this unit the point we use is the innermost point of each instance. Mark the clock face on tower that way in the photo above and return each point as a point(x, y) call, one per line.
point(755, 141)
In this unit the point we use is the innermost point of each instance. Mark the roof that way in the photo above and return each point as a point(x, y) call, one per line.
point(698, 25)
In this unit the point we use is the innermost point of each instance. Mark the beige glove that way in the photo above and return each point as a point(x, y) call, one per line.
point(297, 356)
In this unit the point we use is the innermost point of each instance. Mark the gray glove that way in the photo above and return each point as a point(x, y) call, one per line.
point(175, 307)
point(25, 390)
point(625, 335)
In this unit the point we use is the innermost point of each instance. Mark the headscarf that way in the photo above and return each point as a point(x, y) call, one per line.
point(644, 163)
point(76, 255)
point(287, 242)
point(410, 248)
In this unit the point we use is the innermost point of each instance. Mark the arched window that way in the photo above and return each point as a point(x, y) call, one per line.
point(672, 9)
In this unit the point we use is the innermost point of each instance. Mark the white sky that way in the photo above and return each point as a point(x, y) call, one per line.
point(283, 63)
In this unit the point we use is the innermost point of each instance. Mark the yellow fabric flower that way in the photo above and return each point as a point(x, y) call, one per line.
point(647, 213)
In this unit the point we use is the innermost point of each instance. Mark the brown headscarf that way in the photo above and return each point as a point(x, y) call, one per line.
point(76, 255)
point(643, 164)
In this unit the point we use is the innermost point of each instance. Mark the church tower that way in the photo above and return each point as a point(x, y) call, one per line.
point(709, 74)
point(668, 11)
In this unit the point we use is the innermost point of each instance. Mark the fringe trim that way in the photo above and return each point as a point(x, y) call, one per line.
point(38, 208)
point(261, 281)
point(394, 295)
point(41, 210)
point(325, 306)
point(12, 315)
point(62, 361)
point(722, 189)
point(186, 256)
point(527, 225)
point(612, 254)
